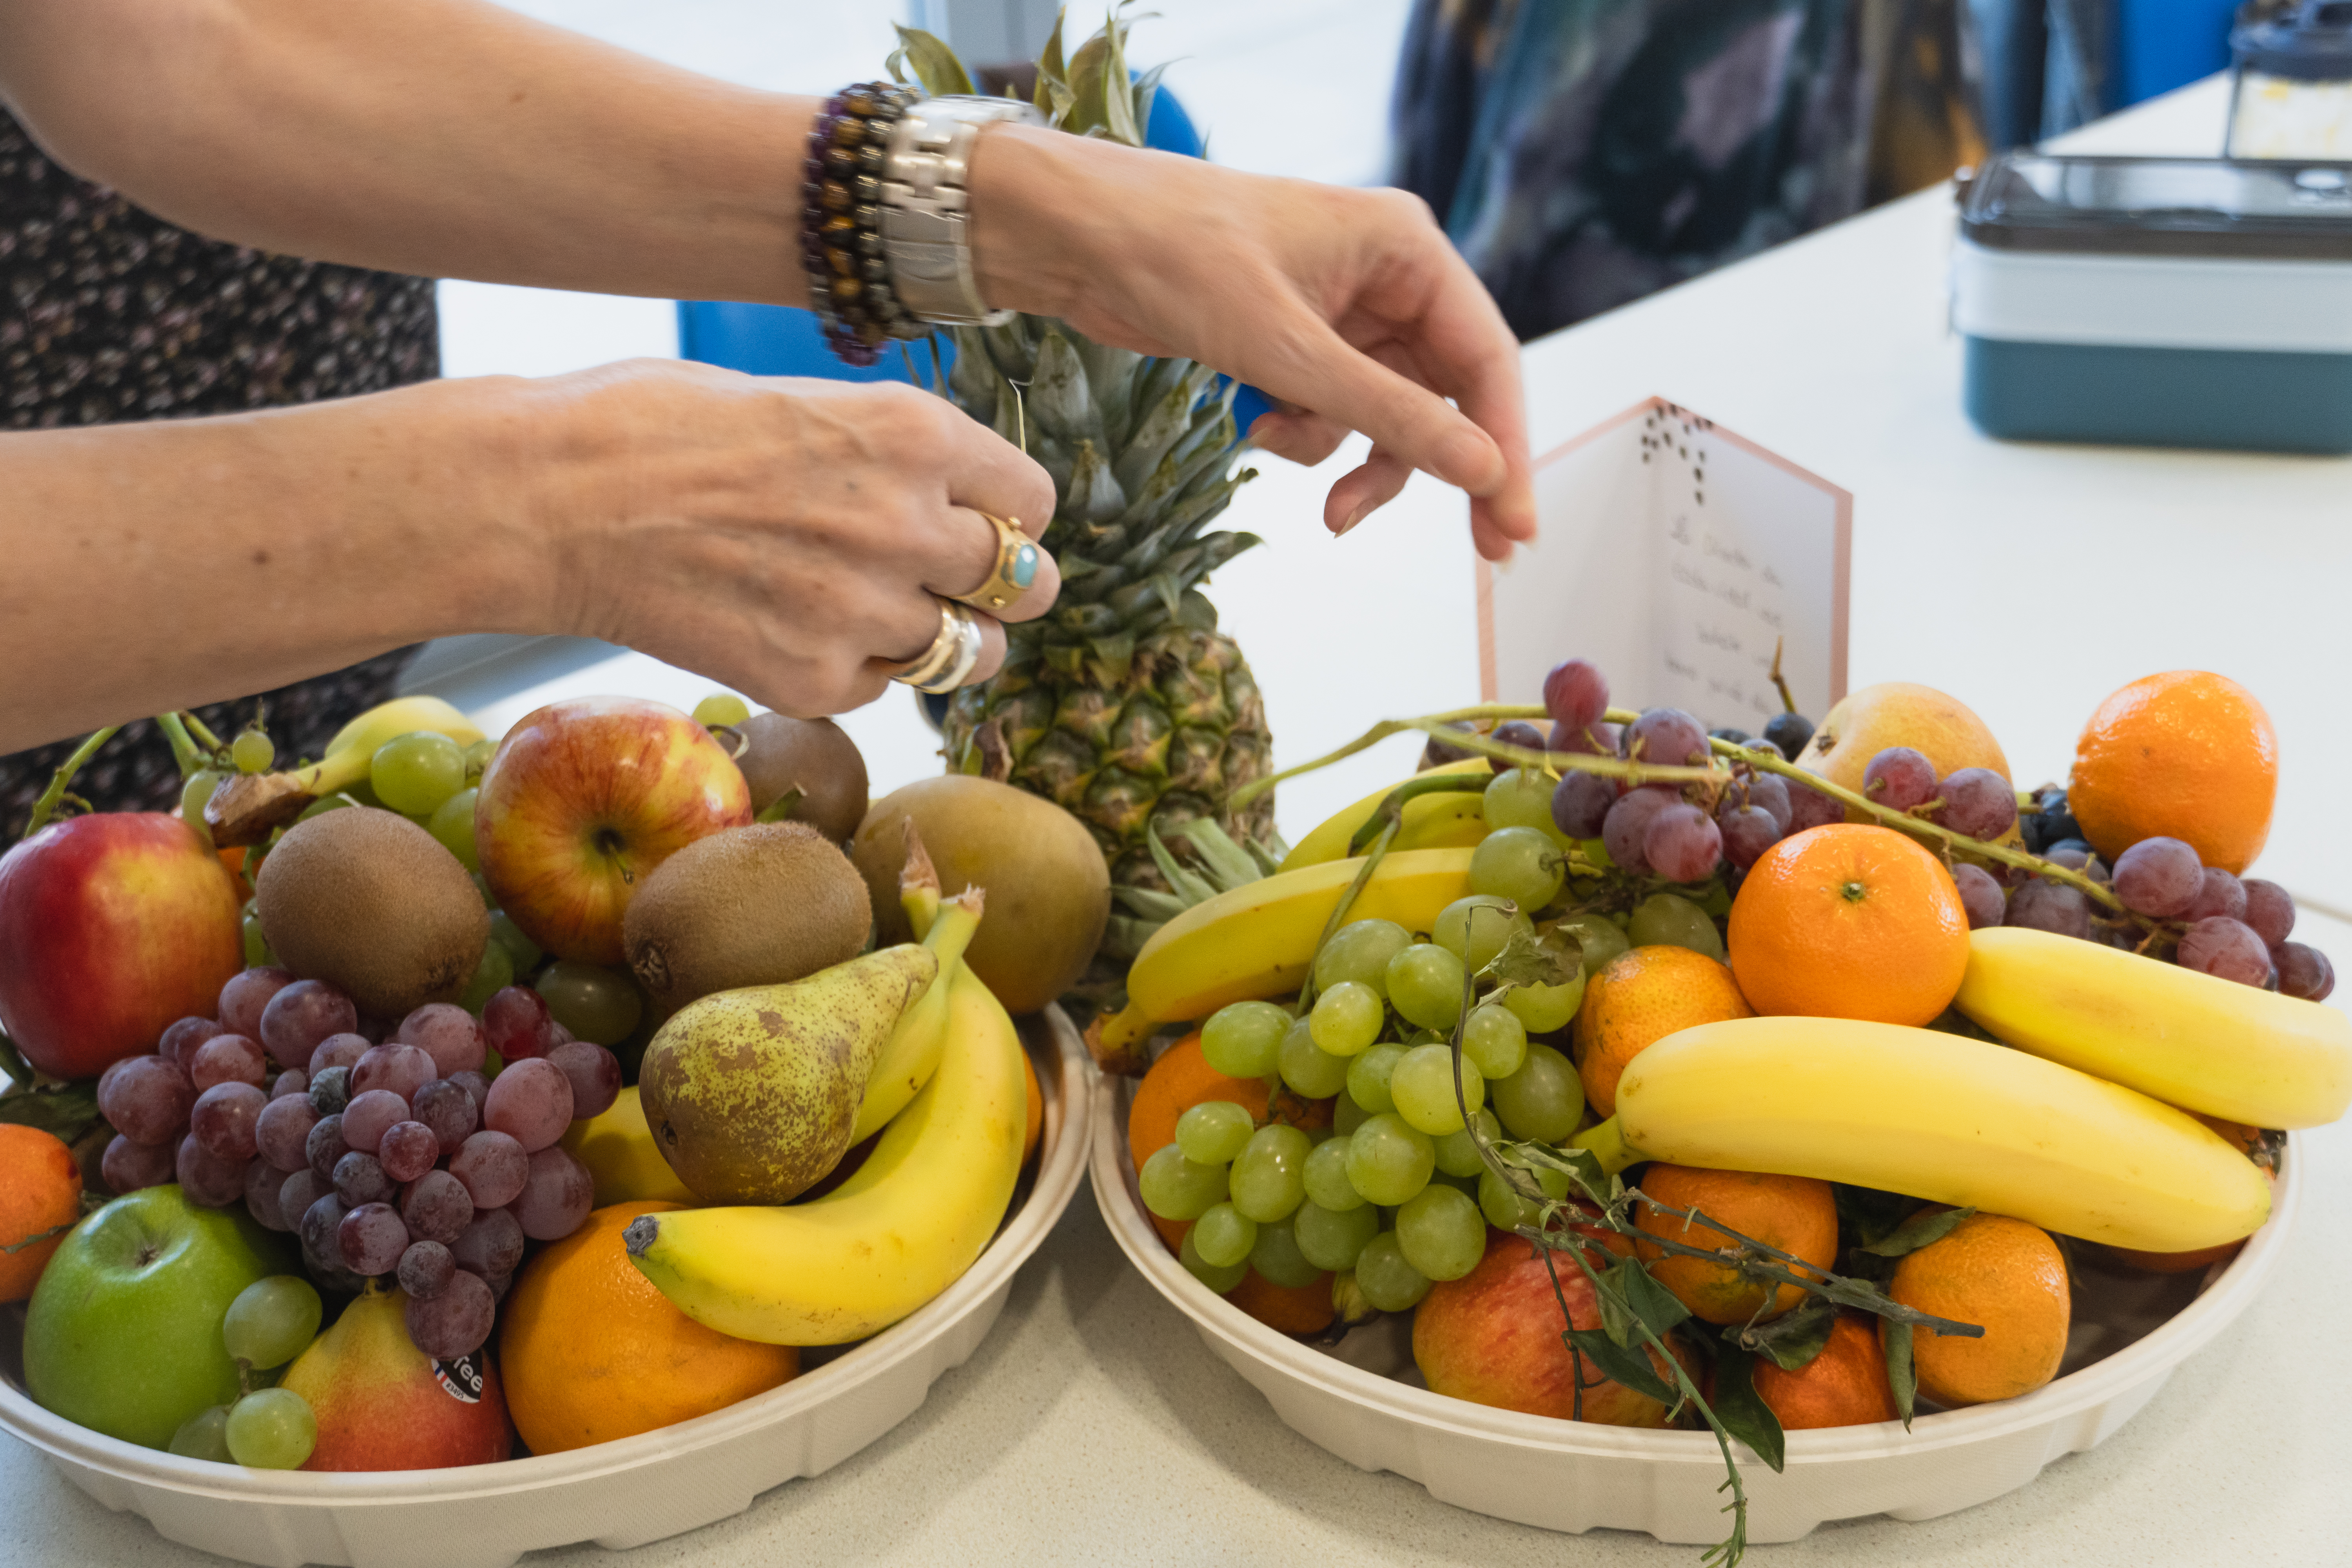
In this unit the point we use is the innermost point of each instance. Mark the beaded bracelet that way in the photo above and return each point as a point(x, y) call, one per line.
point(841, 223)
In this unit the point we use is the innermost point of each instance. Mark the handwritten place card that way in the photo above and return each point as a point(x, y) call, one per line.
point(1675, 555)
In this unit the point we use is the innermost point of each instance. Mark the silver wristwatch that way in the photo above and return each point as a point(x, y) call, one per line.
point(926, 184)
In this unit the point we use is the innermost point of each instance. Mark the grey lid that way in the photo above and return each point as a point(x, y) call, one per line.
point(2271, 209)
point(2311, 43)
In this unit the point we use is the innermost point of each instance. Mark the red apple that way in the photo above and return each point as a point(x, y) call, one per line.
point(112, 926)
point(1492, 1337)
point(583, 800)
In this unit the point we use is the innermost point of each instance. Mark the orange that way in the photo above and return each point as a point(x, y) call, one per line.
point(1287, 1309)
point(2008, 1278)
point(2185, 754)
point(1849, 921)
point(40, 1190)
point(591, 1352)
point(1795, 1213)
point(1637, 999)
point(1845, 1386)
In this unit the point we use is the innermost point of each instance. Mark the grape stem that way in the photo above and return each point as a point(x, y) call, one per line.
point(184, 750)
point(205, 737)
point(54, 795)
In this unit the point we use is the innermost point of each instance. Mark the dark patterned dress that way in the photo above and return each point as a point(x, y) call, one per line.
point(111, 314)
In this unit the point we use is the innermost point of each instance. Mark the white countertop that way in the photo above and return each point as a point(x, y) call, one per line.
point(1094, 1427)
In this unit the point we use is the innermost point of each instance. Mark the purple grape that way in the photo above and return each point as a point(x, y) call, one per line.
point(1757, 744)
point(2303, 971)
point(2076, 856)
point(325, 1146)
point(557, 1035)
point(321, 1228)
point(2218, 893)
point(1981, 896)
point(370, 1112)
point(1437, 753)
point(128, 1166)
point(297, 1193)
point(491, 1246)
point(2227, 949)
point(529, 1101)
point(206, 1178)
point(1576, 695)
point(262, 1181)
point(1580, 803)
point(408, 1150)
point(2159, 877)
point(292, 1081)
point(222, 1121)
point(185, 1036)
point(2050, 906)
point(282, 1132)
point(443, 1105)
point(337, 1051)
point(301, 1016)
point(247, 996)
point(493, 1166)
point(1768, 791)
point(500, 1284)
point(1669, 736)
point(376, 1030)
point(1682, 844)
point(594, 1073)
point(1977, 802)
point(557, 1198)
point(330, 1090)
point(372, 1239)
point(360, 1179)
point(426, 1269)
point(437, 1207)
point(1789, 731)
point(1516, 733)
point(1626, 829)
point(1808, 807)
point(1593, 740)
point(226, 1059)
point(515, 1024)
point(145, 1099)
point(402, 1069)
point(1899, 778)
point(2269, 910)
point(477, 1087)
point(455, 1320)
point(446, 1033)
point(1748, 832)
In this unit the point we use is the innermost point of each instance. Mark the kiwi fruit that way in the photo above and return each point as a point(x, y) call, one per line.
point(1048, 888)
point(373, 905)
point(762, 905)
point(781, 753)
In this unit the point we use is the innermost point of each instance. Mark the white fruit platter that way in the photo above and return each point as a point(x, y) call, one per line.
point(618, 1494)
point(1363, 1400)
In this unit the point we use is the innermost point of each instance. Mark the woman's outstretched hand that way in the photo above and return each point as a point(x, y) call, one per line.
point(1350, 306)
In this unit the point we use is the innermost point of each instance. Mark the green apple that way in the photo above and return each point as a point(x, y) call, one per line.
point(124, 1335)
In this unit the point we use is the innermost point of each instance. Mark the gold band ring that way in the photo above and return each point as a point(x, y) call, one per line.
point(1015, 570)
point(949, 662)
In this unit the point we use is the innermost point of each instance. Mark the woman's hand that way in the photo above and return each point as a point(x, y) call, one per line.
point(784, 537)
point(1350, 306)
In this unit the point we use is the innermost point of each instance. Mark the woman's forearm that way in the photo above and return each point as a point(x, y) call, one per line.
point(156, 566)
point(447, 137)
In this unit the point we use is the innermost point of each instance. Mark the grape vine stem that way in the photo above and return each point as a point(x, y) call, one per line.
point(54, 796)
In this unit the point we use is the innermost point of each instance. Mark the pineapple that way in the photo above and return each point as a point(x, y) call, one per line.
point(1123, 704)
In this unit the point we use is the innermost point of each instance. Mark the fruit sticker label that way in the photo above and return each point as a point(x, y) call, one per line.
point(1685, 556)
point(460, 1379)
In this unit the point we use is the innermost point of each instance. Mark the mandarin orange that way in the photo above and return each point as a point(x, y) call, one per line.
point(1849, 921)
point(2008, 1278)
point(1845, 1385)
point(40, 1191)
point(1637, 999)
point(2186, 754)
point(1796, 1215)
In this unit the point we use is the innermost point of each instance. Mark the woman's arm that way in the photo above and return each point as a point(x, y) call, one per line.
point(453, 139)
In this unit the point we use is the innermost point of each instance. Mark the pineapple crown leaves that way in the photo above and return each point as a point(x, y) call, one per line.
point(1089, 93)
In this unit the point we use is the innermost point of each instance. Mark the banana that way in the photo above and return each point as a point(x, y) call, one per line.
point(911, 1054)
point(245, 807)
point(1451, 819)
point(901, 1229)
point(1936, 1116)
point(1259, 938)
point(2194, 1040)
point(621, 1155)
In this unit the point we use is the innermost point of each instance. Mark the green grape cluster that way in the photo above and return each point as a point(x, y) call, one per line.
point(1395, 1189)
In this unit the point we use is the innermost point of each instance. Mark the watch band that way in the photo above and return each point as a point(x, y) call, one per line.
point(926, 186)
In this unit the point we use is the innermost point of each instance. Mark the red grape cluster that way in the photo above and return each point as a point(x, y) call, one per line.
point(388, 1150)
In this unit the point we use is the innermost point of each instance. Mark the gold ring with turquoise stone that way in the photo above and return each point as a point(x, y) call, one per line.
point(1015, 570)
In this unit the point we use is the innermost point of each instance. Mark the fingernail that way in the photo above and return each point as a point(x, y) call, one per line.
point(1353, 518)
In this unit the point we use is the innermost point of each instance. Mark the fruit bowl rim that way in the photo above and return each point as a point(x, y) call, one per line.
point(2216, 1304)
point(1063, 1141)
